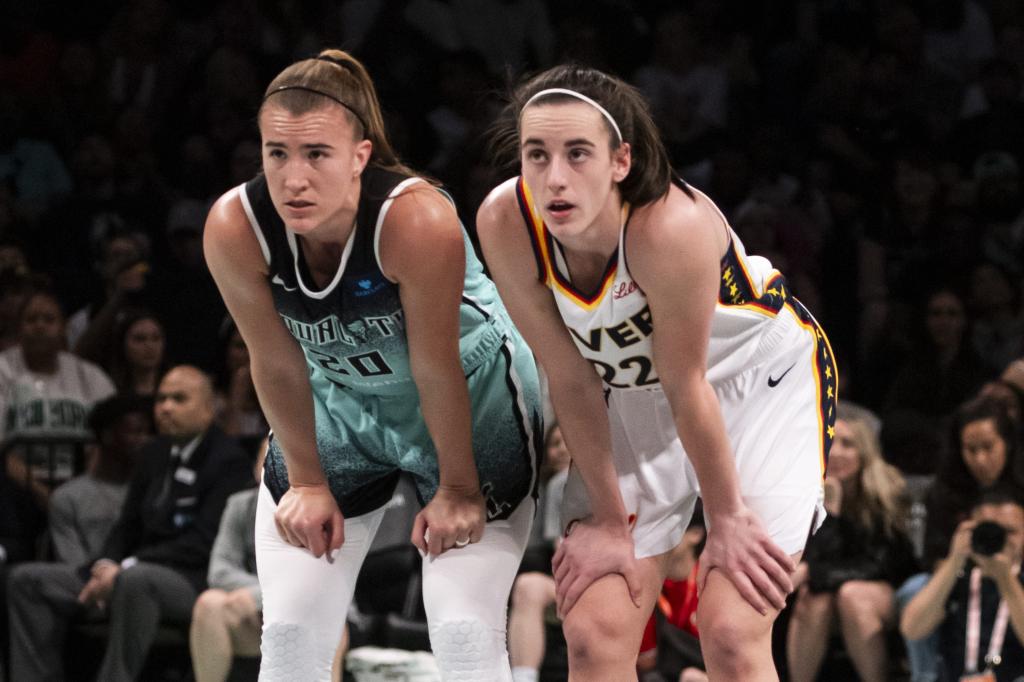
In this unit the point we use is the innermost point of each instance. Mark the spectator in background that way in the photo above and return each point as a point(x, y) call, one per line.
point(1006, 393)
point(856, 559)
point(508, 34)
point(688, 95)
point(45, 392)
point(154, 562)
point(958, 36)
point(31, 165)
point(191, 308)
point(533, 592)
point(238, 409)
point(22, 521)
point(547, 529)
point(83, 510)
point(983, 451)
point(941, 372)
point(136, 361)
point(227, 618)
point(999, 126)
point(123, 266)
point(671, 641)
point(979, 578)
point(997, 329)
point(896, 249)
point(999, 205)
point(15, 286)
point(69, 242)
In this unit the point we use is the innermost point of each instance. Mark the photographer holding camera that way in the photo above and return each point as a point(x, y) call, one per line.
point(975, 599)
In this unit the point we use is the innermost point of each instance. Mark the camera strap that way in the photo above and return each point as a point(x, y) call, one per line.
point(995, 644)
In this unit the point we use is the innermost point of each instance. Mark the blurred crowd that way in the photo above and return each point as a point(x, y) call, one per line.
point(872, 151)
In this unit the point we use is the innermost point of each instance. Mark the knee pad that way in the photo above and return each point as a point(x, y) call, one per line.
point(289, 653)
point(469, 650)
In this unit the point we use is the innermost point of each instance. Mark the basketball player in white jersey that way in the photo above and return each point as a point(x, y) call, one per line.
point(711, 379)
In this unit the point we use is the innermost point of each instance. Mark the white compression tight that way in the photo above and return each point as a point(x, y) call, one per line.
point(465, 593)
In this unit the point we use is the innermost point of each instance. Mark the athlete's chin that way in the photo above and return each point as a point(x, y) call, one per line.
point(566, 226)
point(303, 225)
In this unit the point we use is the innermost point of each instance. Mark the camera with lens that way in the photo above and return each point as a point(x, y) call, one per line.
point(988, 538)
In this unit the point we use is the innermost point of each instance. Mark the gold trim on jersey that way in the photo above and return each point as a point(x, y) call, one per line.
point(739, 290)
point(543, 246)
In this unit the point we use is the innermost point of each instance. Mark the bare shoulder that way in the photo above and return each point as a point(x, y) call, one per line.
point(421, 205)
point(678, 219)
point(421, 233)
point(228, 238)
point(498, 208)
point(227, 215)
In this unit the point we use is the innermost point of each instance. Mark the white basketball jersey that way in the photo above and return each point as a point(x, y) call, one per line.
point(612, 326)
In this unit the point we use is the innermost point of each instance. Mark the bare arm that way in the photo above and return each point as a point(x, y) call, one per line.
point(422, 249)
point(278, 366)
point(927, 609)
point(675, 246)
point(575, 388)
point(602, 544)
point(677, 250)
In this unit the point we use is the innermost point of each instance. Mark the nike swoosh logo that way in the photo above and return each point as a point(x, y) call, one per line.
point(276, 279)
point(772, 383)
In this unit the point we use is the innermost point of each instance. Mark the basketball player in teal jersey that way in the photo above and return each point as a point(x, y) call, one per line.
point(711, 379)
point(378, 346)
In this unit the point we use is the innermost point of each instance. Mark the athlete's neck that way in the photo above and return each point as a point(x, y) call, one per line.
point(587, 256)
point(600, 239)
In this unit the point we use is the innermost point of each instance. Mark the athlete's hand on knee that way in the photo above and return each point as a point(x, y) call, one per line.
point(590, 551)
point(453, 519)
point(308, 516)
point(738, 546)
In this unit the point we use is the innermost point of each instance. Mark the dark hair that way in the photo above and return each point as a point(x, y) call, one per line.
point(651, 172)
point(221, 374)
point(117, 366)
point(998, 494)
point(953, 474)
point(39, 287)
point(107, 413)
point(335, 75)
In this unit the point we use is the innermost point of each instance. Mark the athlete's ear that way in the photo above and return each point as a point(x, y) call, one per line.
point(622, 161)
point(361, 156)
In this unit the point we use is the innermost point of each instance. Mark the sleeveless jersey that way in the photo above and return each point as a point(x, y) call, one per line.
point(612, 325)
point(352, 331)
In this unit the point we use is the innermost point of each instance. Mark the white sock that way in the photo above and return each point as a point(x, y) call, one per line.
point(522, 674)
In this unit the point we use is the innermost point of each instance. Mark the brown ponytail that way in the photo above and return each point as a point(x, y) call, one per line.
point(335, 75)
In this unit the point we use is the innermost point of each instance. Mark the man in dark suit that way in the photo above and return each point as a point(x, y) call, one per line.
point(154, 563)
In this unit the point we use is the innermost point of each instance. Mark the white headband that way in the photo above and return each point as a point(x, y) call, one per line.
point(580, 96)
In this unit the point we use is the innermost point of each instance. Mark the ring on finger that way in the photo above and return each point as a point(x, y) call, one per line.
point(461, 543)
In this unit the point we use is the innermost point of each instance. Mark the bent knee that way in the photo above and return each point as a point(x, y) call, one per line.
point(595, 635)
point(862, 596)
point(730, 636)
point(533, 590)
point(210, 604)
